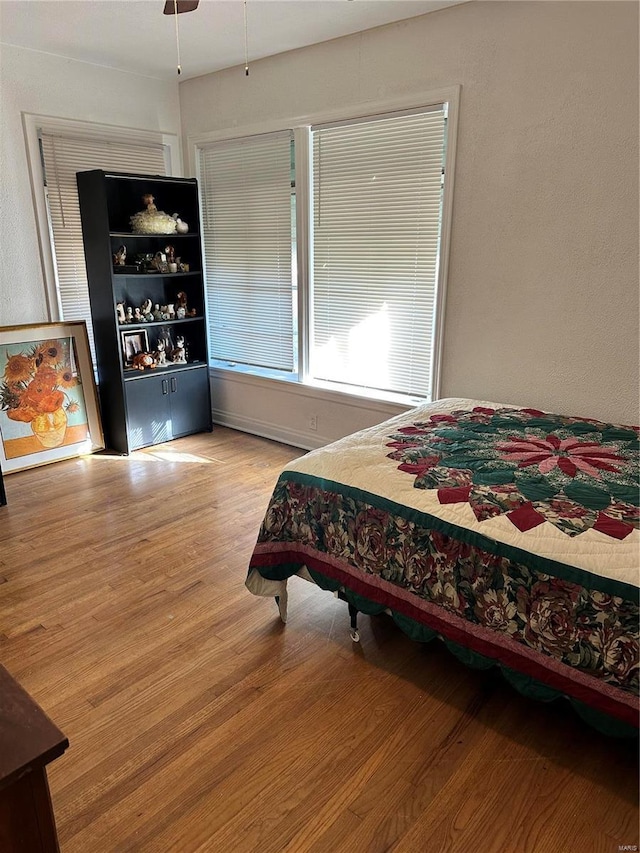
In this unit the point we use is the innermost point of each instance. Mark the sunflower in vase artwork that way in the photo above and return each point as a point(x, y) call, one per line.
point(36, 389)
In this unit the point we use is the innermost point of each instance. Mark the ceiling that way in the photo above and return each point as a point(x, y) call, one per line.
point(134, 35)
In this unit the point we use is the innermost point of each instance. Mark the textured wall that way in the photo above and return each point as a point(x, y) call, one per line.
point(46, 85)
point(542, 300)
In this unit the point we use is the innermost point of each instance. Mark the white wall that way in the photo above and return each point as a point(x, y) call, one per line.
point(33, 82)
point(542, 305)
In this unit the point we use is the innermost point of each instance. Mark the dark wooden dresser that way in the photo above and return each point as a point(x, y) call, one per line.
point(28, 742)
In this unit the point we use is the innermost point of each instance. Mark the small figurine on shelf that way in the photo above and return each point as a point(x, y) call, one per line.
point(152, 220)
point(143, 261)
point(157, 313)
point(122, 319)
point(179, 353)
point(181, 305)
point(142, 360)
point(170, 252)
point(160, 262)
point(120, 256)
point(137, 316)
point(165, 337)
point(129, 318)
point(147, 311)
point(161, 354)
point(181, 227)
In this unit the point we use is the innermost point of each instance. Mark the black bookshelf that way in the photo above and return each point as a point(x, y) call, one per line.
point(141, 407)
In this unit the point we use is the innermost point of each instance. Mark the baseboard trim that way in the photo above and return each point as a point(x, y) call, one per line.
point(274, 432)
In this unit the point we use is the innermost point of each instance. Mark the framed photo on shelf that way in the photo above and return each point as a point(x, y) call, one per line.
point(133, 342)
point(48, 399)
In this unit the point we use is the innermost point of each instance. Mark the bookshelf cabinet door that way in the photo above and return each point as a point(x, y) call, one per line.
point(189, 400)
point(148, 411)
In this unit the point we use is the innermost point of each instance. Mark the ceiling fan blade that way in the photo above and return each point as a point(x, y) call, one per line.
point(183, 6)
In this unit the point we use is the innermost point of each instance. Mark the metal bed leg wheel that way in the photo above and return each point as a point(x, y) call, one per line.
point(353, 614)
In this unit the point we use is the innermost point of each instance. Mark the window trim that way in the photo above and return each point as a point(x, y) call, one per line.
point(31, 124)
point(301, 126)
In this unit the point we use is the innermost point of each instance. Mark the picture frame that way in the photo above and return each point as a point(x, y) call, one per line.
point(133, 342)
point(49, 407)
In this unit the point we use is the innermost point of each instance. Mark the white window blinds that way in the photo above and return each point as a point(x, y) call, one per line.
point(63, 156)
point(377, 198)
point(245, 187)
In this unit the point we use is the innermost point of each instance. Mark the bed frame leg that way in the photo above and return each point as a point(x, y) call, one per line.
point(353, 613)
point(281, 603)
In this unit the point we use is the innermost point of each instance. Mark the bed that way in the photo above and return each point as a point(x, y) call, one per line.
point(509, 533)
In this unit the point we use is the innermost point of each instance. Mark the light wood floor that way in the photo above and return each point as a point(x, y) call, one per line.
point(198, 722)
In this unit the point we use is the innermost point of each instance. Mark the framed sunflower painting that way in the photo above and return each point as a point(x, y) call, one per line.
point(48, 401)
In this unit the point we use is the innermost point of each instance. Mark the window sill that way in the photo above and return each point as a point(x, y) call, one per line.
point(317, 389)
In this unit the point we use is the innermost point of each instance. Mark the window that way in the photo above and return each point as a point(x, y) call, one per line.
point(370, 198)
point(247, 217)
point(64, 154)
point(377, 200)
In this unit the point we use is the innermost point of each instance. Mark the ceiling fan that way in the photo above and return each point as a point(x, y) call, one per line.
point(182, 6)
point(177, 7)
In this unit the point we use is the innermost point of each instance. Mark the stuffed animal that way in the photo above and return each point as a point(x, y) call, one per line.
point(142, 360)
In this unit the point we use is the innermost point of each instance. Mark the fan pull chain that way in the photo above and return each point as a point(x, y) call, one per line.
point(246, 42)
point(175, 12)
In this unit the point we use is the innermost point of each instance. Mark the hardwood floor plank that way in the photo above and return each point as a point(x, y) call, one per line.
point(198, 722)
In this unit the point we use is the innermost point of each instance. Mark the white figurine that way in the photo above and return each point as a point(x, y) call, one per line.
point(161, 355)
point(179, 354)
point(181, 227)
point(181, 310)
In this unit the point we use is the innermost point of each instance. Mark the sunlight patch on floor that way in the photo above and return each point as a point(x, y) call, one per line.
point(157, 455)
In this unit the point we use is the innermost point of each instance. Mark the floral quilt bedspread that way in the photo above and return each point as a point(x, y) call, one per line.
point(513, 532)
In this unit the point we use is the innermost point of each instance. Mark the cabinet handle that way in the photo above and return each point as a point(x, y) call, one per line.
point(174, 384)
point(165, 386)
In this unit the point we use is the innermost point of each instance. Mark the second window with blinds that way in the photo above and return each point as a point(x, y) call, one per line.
point(62, 156)
point(362, 209)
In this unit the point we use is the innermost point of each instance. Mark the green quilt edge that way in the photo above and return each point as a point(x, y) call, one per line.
point(573, 574)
